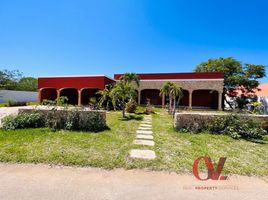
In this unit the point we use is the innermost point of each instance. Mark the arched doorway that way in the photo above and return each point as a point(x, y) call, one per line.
point(184, 102)
point(152, 95)
point(205, 99)
point(48, 94)
point(71, 94)
point(87, 94)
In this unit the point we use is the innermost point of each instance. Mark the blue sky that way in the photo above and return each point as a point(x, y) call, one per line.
point(48, 37)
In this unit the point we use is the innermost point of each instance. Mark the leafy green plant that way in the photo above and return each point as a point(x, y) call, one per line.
point(149, 109)
point(72, 120)
point(23, 120)
point(237, 127)
point(131, 106)
point(233, 125)
point(93, 104)
point(12, 103)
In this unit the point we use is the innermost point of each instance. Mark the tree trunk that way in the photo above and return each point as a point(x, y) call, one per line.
point(228, 103)
point(174, 107)
point(123, 109)
point(170, 103)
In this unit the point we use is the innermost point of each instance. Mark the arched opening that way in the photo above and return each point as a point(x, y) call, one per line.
point(87, 94)
point(184, 102)
point(48, 94)
point(151, 95)
point(71, 94)
point(205, 99)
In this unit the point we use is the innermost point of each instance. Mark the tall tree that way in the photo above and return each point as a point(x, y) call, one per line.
point(27, 84)
point(175, 92)
point(165, 90)
point(131, 78)
point(9, 79)
point(106, 100)
point(240, 81)
point(122, 92)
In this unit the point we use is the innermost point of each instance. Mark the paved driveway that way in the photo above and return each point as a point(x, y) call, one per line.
point(26, 182)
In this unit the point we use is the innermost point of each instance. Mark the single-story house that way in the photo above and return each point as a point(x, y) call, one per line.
point(200, 89)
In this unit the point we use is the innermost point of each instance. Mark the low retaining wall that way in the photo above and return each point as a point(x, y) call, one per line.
point(201, 118)
point(61, 115)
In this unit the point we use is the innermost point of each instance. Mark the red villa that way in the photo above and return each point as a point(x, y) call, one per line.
point(201, 90)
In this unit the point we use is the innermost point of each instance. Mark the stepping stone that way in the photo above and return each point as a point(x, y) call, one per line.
point(144, 142)
point(145, 128)
point(146, 118)
point(143, 154)
point(145, 125)
point(144, 132)
point(149, 137)
point(146, 122)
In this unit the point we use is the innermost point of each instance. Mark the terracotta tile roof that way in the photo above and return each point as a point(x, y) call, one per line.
point(264, 90)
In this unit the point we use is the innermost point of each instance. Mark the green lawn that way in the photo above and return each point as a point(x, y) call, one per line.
point(109, 149)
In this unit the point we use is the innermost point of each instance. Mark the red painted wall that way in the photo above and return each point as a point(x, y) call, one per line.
point(194, 75)
point(98, 82)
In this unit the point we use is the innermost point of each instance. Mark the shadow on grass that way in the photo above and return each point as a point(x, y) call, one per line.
point(258, 141)
point(132, 117)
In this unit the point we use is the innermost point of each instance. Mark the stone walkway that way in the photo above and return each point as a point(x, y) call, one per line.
point(144, 137)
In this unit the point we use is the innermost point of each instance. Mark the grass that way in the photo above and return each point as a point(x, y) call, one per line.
point(5, 104)
point(110, 149)
point(107, 149)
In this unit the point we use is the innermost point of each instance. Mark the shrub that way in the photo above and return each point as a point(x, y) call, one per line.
point(54, 120)
point(93, 103)
point(12, 103)
point(233, 125)
point(131, 106)
point(72, 120)
point(93, 122)
point(149, 108)
point(23, 120)
point(75, 120)
point(237, 127)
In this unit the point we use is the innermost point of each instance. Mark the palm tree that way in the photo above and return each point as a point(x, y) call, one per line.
point(122, 92)
point(165, 90)
point(105, 99)
point(175, 92)
point(130, 78)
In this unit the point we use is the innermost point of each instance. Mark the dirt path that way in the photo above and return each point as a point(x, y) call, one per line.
point(21, 181)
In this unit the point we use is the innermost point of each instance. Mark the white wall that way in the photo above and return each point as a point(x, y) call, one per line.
point(264, 101)
point(18, 96)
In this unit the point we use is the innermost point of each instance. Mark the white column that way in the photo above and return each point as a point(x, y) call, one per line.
point(39, 95)
point(58, 93)
point(79, 97)
point(190, 99)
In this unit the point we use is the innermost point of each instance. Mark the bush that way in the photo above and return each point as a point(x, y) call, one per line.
point(75, 120)
point(72, 120)
point(149, 108)
point(93, 122)
point(237, 127)
point(131, 106)
point(23, 120)
point(233, 125)
point(12, 103)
